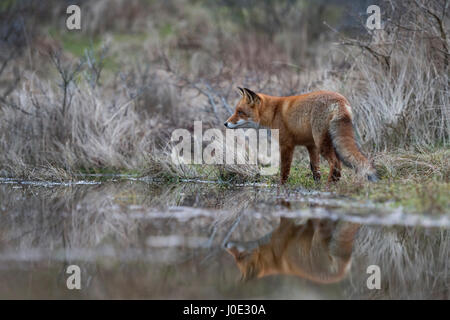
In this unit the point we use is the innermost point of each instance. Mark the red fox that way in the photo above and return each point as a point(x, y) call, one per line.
point(318, 250)
point(321, 121)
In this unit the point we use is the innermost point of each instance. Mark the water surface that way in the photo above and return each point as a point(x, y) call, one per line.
point(138, 239)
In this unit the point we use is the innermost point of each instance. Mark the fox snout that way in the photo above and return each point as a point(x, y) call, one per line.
point(237, 124)
point(241, 123)
point(232, 121)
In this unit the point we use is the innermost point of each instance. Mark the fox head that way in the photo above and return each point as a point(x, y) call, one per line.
point(246, 260)
point(246, 114)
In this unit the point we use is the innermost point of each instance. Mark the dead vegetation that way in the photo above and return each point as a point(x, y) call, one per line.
point(113, 106)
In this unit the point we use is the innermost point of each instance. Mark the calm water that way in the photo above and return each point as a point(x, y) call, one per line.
point(135, 239)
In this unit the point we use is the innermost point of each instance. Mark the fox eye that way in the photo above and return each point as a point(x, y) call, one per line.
point(241, 113)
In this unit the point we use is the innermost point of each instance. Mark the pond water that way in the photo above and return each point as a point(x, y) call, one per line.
point(139, 239)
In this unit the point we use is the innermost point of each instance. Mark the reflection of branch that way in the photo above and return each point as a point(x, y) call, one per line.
point(224, 241)
point(233, 227)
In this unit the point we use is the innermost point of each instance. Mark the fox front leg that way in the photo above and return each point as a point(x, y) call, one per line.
point(286, 160)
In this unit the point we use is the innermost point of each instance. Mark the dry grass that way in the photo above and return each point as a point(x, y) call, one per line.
point(407, 105)
point(55, 125)
point(92, 132)
point(420, 164)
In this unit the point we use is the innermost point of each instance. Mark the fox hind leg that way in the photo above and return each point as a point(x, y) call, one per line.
point(337, 167)
point(314, 161)
point(329, 153)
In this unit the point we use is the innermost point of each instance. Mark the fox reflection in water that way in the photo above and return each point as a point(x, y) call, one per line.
point(317, 249)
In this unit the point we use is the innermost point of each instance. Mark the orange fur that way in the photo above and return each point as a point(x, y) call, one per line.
point(321, 121)
point(318, 250)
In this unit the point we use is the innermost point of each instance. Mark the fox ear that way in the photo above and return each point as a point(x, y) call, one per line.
point(237, 255)
point(252, 97)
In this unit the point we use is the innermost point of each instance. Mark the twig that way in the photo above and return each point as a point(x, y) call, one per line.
point(233, 227)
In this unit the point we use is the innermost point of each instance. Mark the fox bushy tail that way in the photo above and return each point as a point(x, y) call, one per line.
point(347, 149)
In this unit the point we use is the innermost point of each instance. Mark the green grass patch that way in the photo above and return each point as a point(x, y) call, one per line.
point(76, 43)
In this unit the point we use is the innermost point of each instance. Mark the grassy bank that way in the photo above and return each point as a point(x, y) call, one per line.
point(417, 180)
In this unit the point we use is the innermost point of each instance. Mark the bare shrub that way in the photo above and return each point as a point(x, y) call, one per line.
point(399, 87)
point(93, 132)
